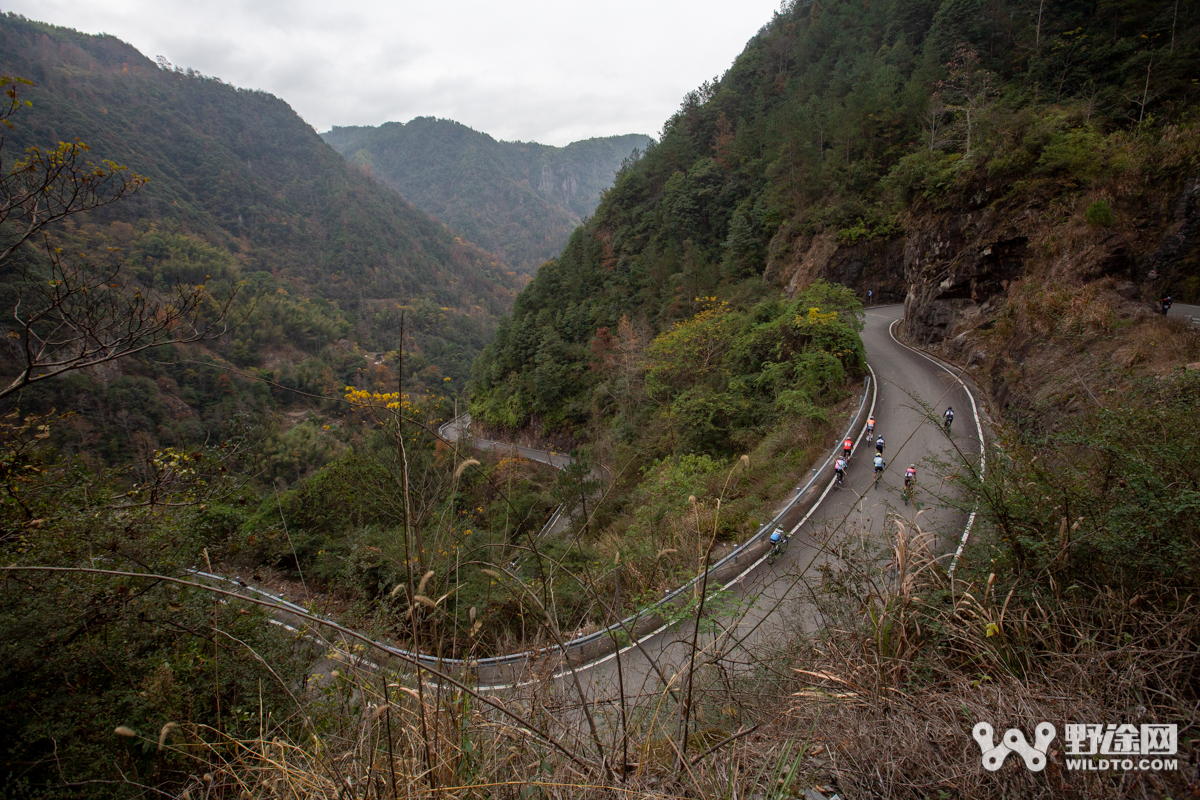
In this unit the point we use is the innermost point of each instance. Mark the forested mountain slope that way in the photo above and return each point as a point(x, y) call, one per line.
point(836, 145)
point(243, 191)
point(520, 200)
point(239, 170)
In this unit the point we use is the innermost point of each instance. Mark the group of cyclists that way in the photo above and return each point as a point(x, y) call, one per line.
point(910, 474)
point(779, 539)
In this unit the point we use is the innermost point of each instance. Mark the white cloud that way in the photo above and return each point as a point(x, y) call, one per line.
point(536, 70)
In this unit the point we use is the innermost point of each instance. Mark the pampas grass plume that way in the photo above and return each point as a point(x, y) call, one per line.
point(162, 735)
point(470, 462)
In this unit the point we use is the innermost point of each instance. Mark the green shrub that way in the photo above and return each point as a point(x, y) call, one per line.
point(1090, 504)
point(1099, 213)
point(1079, 153)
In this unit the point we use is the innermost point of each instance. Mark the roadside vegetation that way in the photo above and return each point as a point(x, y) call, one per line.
point(1052, 614)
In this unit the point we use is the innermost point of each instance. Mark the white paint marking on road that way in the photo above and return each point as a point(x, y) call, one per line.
point(620, 651)
point(732, 582)
point(978, 430)
point(610, 656)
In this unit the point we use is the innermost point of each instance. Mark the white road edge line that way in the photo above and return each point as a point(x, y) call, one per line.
point(610, 656)
point(978, 430)
point(597, 662)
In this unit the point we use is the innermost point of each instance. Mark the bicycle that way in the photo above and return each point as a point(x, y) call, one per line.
point(907, 494)
point(947, 423)
point(778, 549)
point(841, 477)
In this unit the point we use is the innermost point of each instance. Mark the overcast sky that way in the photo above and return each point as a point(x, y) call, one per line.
point(534, 70)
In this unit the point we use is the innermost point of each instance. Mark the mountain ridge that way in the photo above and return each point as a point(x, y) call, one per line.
point(241, 189)
point(519, 200)
point(239, 168)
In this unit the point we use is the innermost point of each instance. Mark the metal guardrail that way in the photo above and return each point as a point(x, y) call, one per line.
point(627, 624)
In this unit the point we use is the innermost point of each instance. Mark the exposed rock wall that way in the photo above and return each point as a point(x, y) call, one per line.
point(875, 266)
point(953, 269)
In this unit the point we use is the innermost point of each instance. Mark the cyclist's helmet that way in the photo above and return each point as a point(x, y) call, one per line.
point(912, 466)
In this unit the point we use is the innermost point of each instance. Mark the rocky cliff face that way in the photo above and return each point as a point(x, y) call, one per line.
point(562, 186)
point(954, 270)
point(874, 266)
point(957, 267)
point(520, 200)
point(1047, 294)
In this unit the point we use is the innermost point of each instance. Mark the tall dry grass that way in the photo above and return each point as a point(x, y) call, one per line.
point(909, 660)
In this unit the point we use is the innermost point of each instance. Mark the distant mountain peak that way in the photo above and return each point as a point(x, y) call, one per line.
point(520, 200)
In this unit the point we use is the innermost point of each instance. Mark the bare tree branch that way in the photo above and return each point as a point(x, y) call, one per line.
point(73, 311)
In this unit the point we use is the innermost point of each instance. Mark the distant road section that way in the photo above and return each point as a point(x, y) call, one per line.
point(1182, 310)
point(458, 429)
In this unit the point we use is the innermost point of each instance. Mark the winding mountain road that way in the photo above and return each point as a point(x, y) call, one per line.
point(911, 392)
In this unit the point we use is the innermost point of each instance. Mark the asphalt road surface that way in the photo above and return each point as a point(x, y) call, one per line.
point(767, 604)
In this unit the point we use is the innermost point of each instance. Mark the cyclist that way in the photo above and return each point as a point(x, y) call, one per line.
point(778, 542)
point(910, 475)
point(1166, 304)
point(879, 443)
point(847, 446)
point(870, 426)
point(948, 417)
point(839, 469)
point(879, 465)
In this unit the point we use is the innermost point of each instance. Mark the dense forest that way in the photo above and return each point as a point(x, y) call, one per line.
point(242, 193)
point(228, 212)
point(1024, 177)
point(519, 200)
